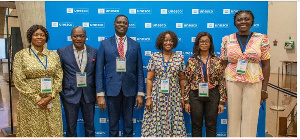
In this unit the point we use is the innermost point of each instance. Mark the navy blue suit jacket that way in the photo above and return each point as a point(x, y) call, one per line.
point(131, 81)
point(70, 92)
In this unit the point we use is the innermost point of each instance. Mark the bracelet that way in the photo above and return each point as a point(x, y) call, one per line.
point(148, 97)
point(264, 91)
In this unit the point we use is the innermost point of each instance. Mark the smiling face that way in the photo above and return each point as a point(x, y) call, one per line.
point(204, 43)
point(243, 22)
point(38, 38)
point(168, 43)
point(121, 26)
point(78, 38)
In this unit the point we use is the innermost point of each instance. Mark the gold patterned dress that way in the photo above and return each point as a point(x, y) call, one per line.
point(27, 74)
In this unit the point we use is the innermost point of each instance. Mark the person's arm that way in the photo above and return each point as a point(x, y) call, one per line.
point(222, 90)
point(266, 74)
point(20, 81)
point(223, 52)
point(265, 62)
point(141, 81)
point(100, 77)
point(149, 84)
point(187, 87)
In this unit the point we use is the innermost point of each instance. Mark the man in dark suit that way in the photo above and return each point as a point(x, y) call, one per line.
point(78, 64)
point(120, 58)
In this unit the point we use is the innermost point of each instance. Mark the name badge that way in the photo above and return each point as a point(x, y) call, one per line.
point(121, 64)
point(203, 90)
point(46, 85)
point(241, 66)
point(48, 106)
point(81, 79)
point(165, 86)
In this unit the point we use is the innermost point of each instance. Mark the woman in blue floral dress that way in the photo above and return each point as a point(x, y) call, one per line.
point(163, 116)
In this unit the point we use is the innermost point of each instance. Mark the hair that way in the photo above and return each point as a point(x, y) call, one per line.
point(243, 11)
point(78, 27)
point(161, 38)
point(121, 16)
point(33, 29)
point(196, 49)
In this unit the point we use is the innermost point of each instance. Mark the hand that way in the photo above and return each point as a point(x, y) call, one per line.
point(182, 103)
point(220, 109)
point(44, 102)
point(187, 108)
point(101, 102)
point(149, 104)
point(139, 102)
point(264, 96)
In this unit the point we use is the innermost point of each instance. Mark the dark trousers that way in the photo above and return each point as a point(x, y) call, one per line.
point(207, 106)
point(117, 105)
point(88, 112)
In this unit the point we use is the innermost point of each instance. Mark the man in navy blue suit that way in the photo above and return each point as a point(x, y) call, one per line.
point(78, 63)
point(119, 58)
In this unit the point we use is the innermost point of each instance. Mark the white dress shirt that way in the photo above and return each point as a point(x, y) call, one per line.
point(81, 58)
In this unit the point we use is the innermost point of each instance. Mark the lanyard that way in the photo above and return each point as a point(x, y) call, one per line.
point(45, 67)
point(166, 67)
point(80, 62)
point(205, 65)
point(243, 47)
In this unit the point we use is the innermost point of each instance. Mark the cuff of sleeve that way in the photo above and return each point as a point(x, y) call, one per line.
point(221, 103)
point(101, 94)
point(141, 94)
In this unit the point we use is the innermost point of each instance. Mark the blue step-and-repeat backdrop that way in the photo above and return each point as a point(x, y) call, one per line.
point(146, 20)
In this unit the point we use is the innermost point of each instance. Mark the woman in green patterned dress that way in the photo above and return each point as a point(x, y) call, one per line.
point(37, 74)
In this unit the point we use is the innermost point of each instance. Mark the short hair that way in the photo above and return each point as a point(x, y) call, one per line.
point(120, 16)
point(243, 11)
point(196, 49)
point(78, 27)
point(161, 38)
point(33, 29)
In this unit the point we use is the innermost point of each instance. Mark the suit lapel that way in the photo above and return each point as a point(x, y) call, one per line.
point(72, 57)
point(114, 45)
point(128, 46)
point(88, 56)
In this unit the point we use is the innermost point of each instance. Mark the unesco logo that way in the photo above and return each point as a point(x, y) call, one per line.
point(226, 11)
point(148, 25)
point(134, 38)
point(69, 38)
point(223, 121)
point(101, 38)
point(93, 24)
point(210, 25)
point(159, 25)
point(143, 39)
point(80, 120)
point(85, 24)
point(229, 11)
point(78, 10)
point(100, 133)
point(171, 11)
point(179, 25)
point(195, 11)
point(109, 11)
point(221, 25)
point(102, 120)
point(193, 39)
point(147, 53)
point(203, 11)
point(140, 11)
point(69, 10)
point(179, 52)
point(62, 24)
point(101, 11)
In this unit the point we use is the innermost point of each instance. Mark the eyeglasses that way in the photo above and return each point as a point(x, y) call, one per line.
point(204, 42)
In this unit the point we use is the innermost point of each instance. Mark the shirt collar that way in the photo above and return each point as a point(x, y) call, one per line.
point(84, 47)
point(44, 52)
point(119, 37)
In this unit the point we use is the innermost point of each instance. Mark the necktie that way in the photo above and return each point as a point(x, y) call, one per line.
point(121, 47)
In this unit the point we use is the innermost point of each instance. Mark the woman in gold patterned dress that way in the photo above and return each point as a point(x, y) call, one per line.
point(39, 109)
